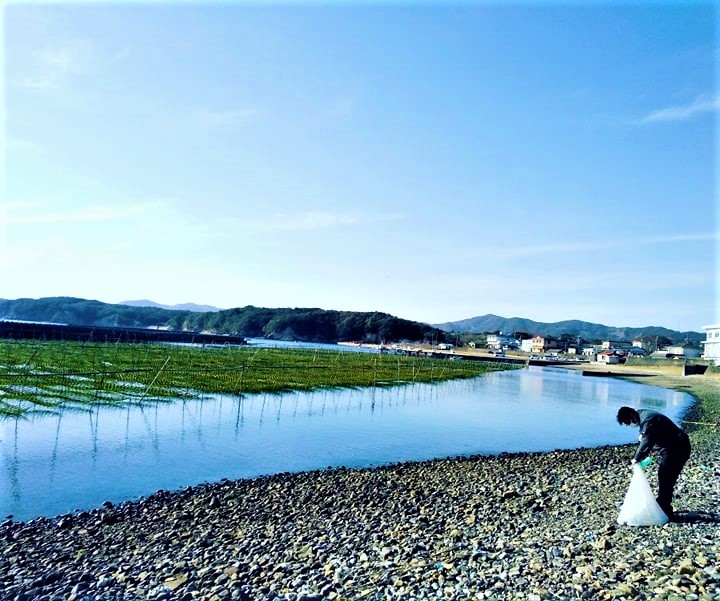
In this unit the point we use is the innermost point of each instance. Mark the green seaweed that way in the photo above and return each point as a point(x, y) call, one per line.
point(42, 375)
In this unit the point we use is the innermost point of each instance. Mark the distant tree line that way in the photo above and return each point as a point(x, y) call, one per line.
point(318, 325)
point(570, 329)
point(82, 312)
point(306, 325)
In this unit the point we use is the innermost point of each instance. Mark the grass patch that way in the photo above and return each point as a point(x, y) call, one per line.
point(702, 421)
point(50, 375)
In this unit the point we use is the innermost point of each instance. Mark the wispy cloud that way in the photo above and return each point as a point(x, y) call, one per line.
point(29, 213)
point(229, 117)
point(314, 220)
point(21, 145)
point(52, 67)
point(342, 108)
point(120, 56)
point(702, 104)
point(46, 81)
point(319, 220)
point(579, 247)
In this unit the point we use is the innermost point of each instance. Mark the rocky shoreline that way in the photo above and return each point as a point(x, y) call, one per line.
point(515, 526)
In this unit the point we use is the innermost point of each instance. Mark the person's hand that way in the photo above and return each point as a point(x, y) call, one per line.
point(633, 462)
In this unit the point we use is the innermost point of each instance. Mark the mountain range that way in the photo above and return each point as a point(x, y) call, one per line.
point(181, 307)
point(585, 330)
point(305, 323)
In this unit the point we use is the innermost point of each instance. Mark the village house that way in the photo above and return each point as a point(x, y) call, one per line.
point(615, 344)
point(685, 351)
point(711, 343)
point(608, 357)
point(498, 341)
point(537, 344)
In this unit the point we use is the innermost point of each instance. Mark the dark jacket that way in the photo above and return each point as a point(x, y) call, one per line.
point(658, 432)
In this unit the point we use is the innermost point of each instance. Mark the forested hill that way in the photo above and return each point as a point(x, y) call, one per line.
point(310, 325)
point(307, 325)
point(584, 329)
point(82, 312)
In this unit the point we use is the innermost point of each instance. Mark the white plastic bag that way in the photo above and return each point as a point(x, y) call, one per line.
point(640, 507)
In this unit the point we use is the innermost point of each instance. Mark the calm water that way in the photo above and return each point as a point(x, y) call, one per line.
point(267, 342)
point(51, 465)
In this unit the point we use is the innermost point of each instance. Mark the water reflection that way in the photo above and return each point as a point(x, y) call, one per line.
point(53, 464)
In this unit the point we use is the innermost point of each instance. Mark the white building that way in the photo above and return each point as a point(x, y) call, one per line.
point(498, 341)
point(538, 344)
point(684, 351)
point(712, 343)
point(615, 344)
point(608, 357)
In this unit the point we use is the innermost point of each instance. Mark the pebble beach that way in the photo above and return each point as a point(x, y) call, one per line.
point(514, 526)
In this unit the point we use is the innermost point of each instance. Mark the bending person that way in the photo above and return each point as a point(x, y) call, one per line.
point(658, 432)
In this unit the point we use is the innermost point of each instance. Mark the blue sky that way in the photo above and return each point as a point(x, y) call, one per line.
point(433, 161)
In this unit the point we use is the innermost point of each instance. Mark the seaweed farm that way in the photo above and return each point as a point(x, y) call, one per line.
point(54, 463)
point(46, 376)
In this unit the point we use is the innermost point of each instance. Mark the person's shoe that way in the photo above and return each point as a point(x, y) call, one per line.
point(669, 513)
point(667, 508)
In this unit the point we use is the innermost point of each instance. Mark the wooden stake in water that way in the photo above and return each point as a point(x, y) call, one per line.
point(144, 394)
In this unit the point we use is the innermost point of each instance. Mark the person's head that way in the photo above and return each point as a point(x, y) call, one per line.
point(627, 416)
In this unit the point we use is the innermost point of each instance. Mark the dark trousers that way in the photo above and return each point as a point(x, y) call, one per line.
point(672, 460)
